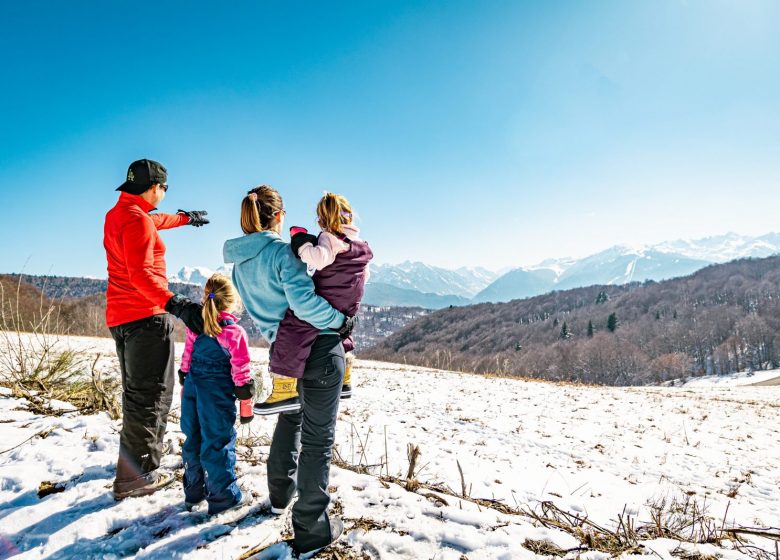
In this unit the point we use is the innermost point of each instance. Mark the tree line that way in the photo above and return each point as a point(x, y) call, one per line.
point(77, 306)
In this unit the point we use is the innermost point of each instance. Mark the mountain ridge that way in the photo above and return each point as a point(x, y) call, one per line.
point(413, 283)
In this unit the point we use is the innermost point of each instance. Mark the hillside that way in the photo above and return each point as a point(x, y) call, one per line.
point(495, 453)
point(721, 319)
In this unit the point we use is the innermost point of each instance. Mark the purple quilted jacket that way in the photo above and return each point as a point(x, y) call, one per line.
point(342, 284)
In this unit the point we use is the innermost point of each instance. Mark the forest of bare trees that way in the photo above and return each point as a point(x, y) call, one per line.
point(76, 306)
point(722, 319)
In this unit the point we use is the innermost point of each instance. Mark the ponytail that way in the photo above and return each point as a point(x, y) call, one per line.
point(260, 209)
point(250, 217)
point(334, 211)
point(220, 295)
point(211, 317)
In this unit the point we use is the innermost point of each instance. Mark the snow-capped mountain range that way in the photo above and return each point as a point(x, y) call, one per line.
point(464, 282)
point(198, 274)
point(724, 248)
point(421, 285)
point(622, 264)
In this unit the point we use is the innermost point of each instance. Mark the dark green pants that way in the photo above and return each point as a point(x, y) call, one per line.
point(302, 445)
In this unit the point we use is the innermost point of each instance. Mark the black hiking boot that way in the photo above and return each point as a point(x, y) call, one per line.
point(336, 529)
point(142, 486)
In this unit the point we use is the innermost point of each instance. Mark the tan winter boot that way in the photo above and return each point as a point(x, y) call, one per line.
point(346, 387)
point(283, 397)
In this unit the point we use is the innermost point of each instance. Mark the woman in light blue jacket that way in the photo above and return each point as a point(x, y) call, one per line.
point(270, 280)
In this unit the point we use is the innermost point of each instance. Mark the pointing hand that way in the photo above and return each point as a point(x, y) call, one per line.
point(196, 217)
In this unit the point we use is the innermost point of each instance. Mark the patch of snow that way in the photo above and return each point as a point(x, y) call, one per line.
point(595, 451)
point(733, 379)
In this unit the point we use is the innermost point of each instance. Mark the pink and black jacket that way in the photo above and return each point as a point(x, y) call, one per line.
point(233, 345)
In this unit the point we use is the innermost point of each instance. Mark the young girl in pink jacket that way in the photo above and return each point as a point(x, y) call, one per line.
point(214, 372)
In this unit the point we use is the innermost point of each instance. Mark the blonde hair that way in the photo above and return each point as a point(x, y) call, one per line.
point(220, 295)
point(333, 211)
point(260, 208)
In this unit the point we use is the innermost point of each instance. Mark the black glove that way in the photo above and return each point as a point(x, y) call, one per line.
point(195, 216)
point(244, 392)
point(182, 375)
point(190, 313)
point(346, 329)
point(299, 239)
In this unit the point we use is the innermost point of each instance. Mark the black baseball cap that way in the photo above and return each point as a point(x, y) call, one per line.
point(142, 174)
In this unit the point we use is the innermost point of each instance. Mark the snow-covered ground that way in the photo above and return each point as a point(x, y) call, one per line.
point(595, 451)
point(734, 379)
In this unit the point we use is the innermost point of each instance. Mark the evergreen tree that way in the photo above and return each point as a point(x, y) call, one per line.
point(555, 322)
point(612, 322)
point(565, 334)
point(602, 297)
point(657, 315)
point(518, 347)
point(590, 329)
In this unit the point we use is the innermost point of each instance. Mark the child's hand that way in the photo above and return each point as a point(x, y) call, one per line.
point(244, 392)
point(299, 238)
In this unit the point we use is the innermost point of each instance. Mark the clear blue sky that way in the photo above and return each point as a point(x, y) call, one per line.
point(464, 133)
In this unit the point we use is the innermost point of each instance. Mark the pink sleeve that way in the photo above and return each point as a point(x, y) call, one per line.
point(235, 341)
point(187, 356)
point(324, 253)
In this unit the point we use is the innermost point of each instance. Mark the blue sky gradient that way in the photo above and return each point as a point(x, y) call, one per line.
point(465, 133)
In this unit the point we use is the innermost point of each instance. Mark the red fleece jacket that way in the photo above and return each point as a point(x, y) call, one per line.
point(137, 281)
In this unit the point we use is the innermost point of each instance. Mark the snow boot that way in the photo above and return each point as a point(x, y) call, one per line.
point(346, 387)
point(245, 500)
point(143, 485)
point(192, 506)
point(283, 397)
point(309, 549)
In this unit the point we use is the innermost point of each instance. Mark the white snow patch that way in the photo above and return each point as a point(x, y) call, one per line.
point(595, 451)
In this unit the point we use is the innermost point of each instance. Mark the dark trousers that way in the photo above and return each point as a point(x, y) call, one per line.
point(145, 350)
point(302, 445)
point(208, 415)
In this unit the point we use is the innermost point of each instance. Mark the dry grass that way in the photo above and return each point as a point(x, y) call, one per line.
point(545, 548)
point(683, 518)
point(46, 488)
point(341, 551)
point(36, 367)
point(246, 444)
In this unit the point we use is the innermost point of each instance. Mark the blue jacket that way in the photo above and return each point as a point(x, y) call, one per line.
point(270, 280)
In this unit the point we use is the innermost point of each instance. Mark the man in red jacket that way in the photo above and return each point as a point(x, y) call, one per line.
point(138, 303)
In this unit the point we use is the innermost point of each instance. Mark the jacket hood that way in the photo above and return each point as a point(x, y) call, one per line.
point(351, 231)
point(247, 247)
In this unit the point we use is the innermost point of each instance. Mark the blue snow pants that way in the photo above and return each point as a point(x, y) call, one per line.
point(208, 416)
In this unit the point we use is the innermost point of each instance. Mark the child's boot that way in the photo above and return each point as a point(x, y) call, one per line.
point(346, 387)
point(283, 397)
